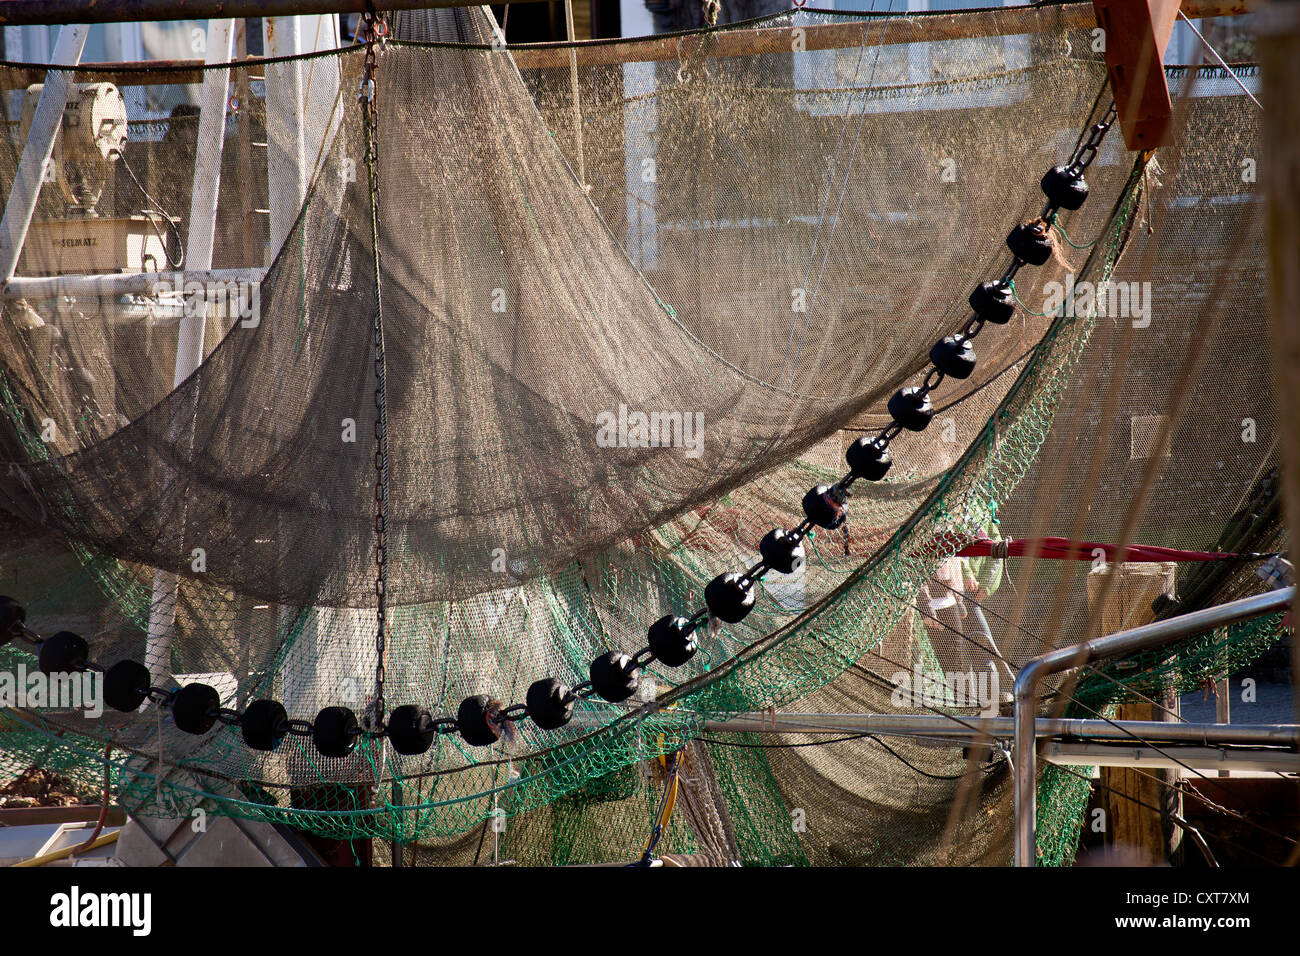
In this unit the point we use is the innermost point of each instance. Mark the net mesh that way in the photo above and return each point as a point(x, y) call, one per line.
point(740, 243)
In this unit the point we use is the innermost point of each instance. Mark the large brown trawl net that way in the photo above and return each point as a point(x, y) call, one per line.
point(738, 260)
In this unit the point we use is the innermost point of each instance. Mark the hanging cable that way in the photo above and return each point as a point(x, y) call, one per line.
point(665, 809)
point(154, 208)
point(1215, 53)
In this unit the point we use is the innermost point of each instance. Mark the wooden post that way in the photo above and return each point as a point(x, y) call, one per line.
point(1278, 28)
point(1129, 824)
point(1222, 707)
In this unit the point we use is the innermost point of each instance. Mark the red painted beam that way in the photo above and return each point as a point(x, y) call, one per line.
point(1137, 34)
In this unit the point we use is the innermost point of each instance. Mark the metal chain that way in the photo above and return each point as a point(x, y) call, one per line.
point(376, 27)
point(1082, 159)
point(1088, 150)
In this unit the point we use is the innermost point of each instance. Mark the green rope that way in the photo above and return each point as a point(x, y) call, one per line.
point(1061, 229)
point(1012, 284)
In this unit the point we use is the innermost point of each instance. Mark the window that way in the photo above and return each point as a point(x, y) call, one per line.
point(893, 71)
point(1144, 437)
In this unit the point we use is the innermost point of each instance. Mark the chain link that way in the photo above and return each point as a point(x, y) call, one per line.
point(299, 728)
point(1088, 150)
point(514, 713)
point(160, 696)
point(377, 28)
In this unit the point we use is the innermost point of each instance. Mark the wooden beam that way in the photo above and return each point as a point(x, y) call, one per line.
point(726, 42)
point(1137, 34)
point(57, 12)
point(1279, 166)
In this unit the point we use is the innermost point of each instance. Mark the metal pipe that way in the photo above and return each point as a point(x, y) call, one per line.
point(1208, 759)
point(922, 725)
point(943, 727)
point(46, 123)
point(123, 283)
point(1141, 638)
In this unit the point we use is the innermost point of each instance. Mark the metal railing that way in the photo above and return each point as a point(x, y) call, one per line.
point(1146, 637)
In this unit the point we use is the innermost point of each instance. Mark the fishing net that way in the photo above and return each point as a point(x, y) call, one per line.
point(635, 304)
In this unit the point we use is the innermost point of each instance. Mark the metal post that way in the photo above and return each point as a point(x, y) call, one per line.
point(286, 138)
point(573, 91)
point(207, 184)
point(189, 343)
point(39, 146)
point(1222, 706)
point(1145, 637)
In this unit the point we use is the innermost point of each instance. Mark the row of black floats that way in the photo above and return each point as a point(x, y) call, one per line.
point(614, 676)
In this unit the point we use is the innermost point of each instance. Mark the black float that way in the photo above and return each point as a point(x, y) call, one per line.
point(824, 507)
point(264, 724)
point(549, 703)
point(1065, 187)
point(475, 718)
point(1030, 242)
point(993, 302)
point(62, 653)
point(126, 685)
point(869, 458)
point(671, 641)
point(335, 731)
point(729, 597)
point(781, 551)
point(953, 356)
point(410, 729)
point(194, 708)
point(614, 676)
point(911, 408)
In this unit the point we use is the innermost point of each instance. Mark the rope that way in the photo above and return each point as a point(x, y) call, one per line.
point(1011, 283)
point(1215, 53)
point(1056, 224)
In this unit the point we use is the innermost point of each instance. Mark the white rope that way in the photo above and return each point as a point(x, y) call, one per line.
point(1215, 53)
